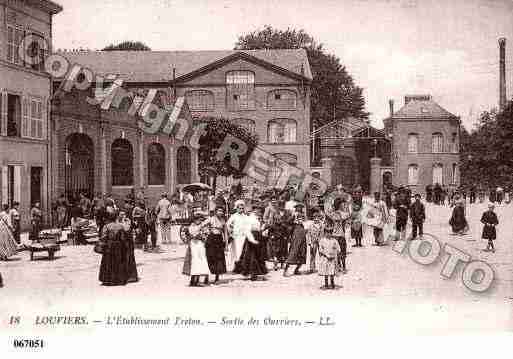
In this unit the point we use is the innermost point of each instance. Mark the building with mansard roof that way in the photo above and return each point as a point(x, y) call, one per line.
point(425, 144)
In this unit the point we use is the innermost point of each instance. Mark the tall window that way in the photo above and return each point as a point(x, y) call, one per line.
point(156, 164)
point(240, 90)
point(413, 143)
point(245, 123)
point(454, 142)
point(454, 174)
point(437, 143)
point(438, 173)
point(282, 131)
point(122, 165)
point(11, 184)
point(183, 165)
point(36, 119)
point(14, 117)
point(200, 100)
point(413, 174)
point(15, 35)
point(281, 100)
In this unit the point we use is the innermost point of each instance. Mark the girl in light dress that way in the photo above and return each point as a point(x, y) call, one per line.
point(329, 250)
point(195, 263)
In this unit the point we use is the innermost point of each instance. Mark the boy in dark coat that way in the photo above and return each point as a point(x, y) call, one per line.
point(402, 207)
point(418, 216)
point(490, 221)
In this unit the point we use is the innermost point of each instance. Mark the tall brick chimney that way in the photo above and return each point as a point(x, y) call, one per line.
point(502, 73)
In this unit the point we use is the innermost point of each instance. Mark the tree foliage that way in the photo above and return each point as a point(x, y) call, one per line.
point(333, 91)
point(487, 150)
point(128, 46)
point(211, 141)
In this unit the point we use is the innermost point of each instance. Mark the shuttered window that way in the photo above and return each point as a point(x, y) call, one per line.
point(437, 143)
point(36, 119)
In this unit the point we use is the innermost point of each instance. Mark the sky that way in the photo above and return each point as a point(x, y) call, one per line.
point(446, 48)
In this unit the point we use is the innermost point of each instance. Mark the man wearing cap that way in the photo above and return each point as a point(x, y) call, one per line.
point(418, 216)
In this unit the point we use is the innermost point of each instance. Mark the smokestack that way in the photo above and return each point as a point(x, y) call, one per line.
point(391, 104)
point(502, 73)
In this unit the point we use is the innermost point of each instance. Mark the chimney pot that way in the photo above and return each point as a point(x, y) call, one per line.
point(391, 105)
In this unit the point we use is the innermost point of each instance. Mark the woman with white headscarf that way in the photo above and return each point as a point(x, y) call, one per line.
point(237, 226)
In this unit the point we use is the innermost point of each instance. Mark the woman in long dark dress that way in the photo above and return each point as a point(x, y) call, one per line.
point(278, 222)
point(490, 221)
point(216, 243)
point(139, 218)
point(254, 252)
point(458, 221)
point(113, 268)
point(297, 251)
point(131, 266)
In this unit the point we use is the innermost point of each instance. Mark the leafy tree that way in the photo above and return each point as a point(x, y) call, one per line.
point(128, 46)
point(487, 150)
point(216, 131)
point(333, 91)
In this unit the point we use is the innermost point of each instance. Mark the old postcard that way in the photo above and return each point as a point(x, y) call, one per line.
point(232, 177)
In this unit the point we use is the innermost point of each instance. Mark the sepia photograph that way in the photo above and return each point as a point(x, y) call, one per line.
point(237, 178)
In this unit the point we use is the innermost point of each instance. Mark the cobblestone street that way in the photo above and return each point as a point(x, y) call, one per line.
point(379, 281)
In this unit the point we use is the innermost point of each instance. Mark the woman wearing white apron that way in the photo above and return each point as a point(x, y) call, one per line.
point(237, 226)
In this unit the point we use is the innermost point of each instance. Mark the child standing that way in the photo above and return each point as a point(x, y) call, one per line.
point(313, 233)
point(195, 263)
point(329, 250)
point(490, 221)
point(356, 225)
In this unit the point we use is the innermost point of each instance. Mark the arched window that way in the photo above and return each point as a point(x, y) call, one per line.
point(281, 99)
point(437, 143)
point(183, 165)
point(413, 174)
point(413, 143)
point(156, 164)
point(122, 165)
point(240, 90)
point(200, 100)
point(282, 131)
point(438, 173)
point(246, 123)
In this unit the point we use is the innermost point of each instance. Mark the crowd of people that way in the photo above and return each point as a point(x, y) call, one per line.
point(447, 195)
point(242, 231)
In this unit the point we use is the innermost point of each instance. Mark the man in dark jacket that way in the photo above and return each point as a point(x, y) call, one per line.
point(418, 216)
point(402, 206)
